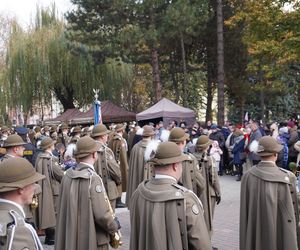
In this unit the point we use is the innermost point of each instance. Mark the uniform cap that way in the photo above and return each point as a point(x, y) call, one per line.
point(100, 130)
point(267, 146)
point(46, 129)
point(203, 142)
point(13, 141)
point(178, 135)
point(37, 129)
point(53, 129)
point(64, 126)
point(76, 129)
point(17, 173)
point(86, 146)
point(4, 129)
point(46, 143)
point(148, 131)
point(167, 153)
point(119, 127)
point(21, 130)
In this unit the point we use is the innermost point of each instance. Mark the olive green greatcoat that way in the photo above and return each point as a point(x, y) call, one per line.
point(139, 170)
point(109, 170)
point(191, 175)
point(164, 215)
point(25, 236)
point(84, 220)
point(48, 165)
point(212, 187)
point(267, 214)
point(119, 147)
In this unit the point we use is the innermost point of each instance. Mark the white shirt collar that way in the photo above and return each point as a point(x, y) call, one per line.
point(15, 204)
point(164, 176)
point(268, 161)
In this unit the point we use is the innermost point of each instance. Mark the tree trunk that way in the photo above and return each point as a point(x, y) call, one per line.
point(173, 76)
point(208, 116)
point(185, 81)
point(263, 106)
point(220, 51)
point(66, 100)
point(156, 74)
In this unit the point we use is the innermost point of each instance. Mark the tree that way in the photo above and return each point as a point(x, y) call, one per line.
point(39, 61)
point(220, 49)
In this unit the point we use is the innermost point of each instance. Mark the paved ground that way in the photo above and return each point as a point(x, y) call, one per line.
point(226, 221)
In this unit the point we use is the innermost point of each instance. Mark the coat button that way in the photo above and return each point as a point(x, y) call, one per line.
point(289, 220)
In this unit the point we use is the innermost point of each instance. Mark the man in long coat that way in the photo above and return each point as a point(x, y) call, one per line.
point(85, 219)
point(119, 147)
point(191, 175)
point(212, 192)
point(269, 216)
point(137, 164)
point(106, 166)
point(47, 164)
point(163, 214)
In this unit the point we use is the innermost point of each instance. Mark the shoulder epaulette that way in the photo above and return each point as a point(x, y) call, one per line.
point(182, 188)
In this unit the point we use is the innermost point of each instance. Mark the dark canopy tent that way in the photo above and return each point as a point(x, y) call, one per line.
point(110, 113)
point(64, 117)
point(166, 111)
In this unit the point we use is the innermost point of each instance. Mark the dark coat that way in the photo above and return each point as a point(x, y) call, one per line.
point(238, 150)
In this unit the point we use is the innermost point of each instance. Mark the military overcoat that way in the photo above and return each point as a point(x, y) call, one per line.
point(139, 170)
point(164, 215)
point(267, 214)
point(84, 219)
point(48, 165)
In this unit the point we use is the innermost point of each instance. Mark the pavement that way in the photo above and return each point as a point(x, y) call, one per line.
point(226, 219)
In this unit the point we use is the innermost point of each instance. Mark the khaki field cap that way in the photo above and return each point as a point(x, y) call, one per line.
point(76, 129)
point(64, 126)
point(100, 130)
point(119, 127)
point(46, 143)
point(86, 146)
point(13, 141)
point(46, 128)
point(167, 153)
point(148, 131)
point(267, 146)
point(4, 129)
point(203, 142)
point(178, 135)
point(53, 129)
point(17, 173)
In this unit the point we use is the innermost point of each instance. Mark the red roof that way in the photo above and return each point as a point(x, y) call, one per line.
point(110, 113)
point(64, 117)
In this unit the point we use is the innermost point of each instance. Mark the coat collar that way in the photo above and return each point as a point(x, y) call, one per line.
point(158, 190)
point(270, 172)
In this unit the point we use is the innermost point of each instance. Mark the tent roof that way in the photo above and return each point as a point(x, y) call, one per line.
point(110, 113)
point(165, 108)
point(64, 117)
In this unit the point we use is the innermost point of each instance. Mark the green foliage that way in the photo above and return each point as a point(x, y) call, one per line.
point(39, 60)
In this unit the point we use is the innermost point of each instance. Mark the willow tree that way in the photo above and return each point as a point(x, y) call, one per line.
point(39, 62)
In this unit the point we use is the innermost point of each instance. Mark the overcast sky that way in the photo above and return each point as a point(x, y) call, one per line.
point(24, 10)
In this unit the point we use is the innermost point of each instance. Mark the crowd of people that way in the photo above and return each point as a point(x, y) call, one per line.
point(170, 173)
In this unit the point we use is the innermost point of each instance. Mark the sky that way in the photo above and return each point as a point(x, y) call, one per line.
point(24, 10)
